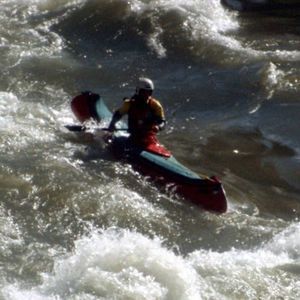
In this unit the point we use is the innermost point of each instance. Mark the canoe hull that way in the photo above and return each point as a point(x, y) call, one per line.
point(174, 177)
point(165, 170)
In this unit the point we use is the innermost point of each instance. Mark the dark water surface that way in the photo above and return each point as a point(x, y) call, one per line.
point(75, 224)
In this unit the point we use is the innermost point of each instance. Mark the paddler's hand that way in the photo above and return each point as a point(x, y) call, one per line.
point(155, 129)
point(111, 128)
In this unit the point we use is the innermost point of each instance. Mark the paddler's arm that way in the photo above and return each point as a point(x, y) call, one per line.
point(118, 114)
point(115, 118)
point(159, 119)
point(161, 125)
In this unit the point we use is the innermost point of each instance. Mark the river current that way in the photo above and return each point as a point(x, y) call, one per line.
point(77, 224)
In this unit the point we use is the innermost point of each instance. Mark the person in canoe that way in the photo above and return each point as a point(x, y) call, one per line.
point(145, 114)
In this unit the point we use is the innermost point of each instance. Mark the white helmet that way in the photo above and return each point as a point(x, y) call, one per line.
point(145, 84)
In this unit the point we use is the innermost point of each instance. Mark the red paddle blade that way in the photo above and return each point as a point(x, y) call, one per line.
point(83, 106)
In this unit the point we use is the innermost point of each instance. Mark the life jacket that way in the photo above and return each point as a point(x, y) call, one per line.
point(141, 116)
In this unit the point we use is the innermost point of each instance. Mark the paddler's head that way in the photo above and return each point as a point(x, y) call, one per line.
point(144, 88)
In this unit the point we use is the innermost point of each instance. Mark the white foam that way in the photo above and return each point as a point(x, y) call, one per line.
point(129, 203)
point(22, 123)
point(240, 274)
point(10, 234)
point(202, 19)
point(286, 242)
point(274, 79)
point(121, 264)
point(210, 23)
point(253, 274)
point(25, 40)
point(207, 22)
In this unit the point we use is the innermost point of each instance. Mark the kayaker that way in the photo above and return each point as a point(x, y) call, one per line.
point(145, 114)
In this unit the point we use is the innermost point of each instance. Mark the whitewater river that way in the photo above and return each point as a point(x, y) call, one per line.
point(76, 224)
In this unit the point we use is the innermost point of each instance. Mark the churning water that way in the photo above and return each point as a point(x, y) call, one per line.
point(75, 224)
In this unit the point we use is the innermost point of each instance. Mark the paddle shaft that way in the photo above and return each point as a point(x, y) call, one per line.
point(80, 128)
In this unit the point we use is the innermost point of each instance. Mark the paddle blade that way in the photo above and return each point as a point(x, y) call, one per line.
point(84, 106)
point(75, 128)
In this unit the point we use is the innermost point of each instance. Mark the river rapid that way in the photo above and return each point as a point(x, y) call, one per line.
point(76, 224)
